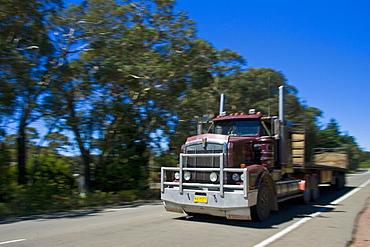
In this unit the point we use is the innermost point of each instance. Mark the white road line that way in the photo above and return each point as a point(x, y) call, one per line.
point(122, 209)
point(12, 241)
point(310, 217)
point(345, 196)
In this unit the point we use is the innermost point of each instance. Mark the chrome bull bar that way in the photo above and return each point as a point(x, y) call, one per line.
point(221, 172)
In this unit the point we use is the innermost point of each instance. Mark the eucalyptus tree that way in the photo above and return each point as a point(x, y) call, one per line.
point(198, 104)
point(137, 60)
point(27, 63)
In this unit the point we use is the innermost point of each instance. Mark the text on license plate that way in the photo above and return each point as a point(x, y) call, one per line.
point(202, 199)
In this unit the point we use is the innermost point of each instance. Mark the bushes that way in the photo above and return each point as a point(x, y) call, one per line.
point(28, 200)
point(100, 198)
point(52, 188)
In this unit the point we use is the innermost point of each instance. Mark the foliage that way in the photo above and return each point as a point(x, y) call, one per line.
point(366, 160)
point(164, 159)
point(26, 201)
point(55, 174)
point(54, 189)
point(27, 64)
point(7, 173)
point(365, 164)
point(331, 137)
point(53, 182)
point(137, 58)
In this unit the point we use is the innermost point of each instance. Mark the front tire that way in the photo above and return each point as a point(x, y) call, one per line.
point(261, 211)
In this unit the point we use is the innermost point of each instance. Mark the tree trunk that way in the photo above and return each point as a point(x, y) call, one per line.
point(21, 142)
point(84, 152)
point(86, 160)
point(21, 145)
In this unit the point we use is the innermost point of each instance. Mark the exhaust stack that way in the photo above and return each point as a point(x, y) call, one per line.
point(283, 135)
point(222, 105)
point(281, 104)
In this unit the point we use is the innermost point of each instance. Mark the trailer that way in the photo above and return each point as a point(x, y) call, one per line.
point(246, 165)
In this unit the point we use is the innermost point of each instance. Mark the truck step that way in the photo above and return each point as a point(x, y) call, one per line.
point(289, 197)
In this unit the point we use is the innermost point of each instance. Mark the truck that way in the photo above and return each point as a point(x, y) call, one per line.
point(245, 165)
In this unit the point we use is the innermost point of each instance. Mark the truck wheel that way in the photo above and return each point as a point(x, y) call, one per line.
point(261, 211)
point(315, 191)
point(340, 181)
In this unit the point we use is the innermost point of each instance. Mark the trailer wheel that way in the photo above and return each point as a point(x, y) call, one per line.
point(315, 191)
point(340, 181)
point(261, 211)
point(306, 196)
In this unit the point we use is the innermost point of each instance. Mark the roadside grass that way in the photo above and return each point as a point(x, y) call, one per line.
point(23, 205)
point(364, 165)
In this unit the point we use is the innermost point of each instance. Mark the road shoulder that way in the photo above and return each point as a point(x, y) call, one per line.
point(361, 231)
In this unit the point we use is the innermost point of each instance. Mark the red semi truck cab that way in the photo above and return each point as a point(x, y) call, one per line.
point(251, 136)
point(220, 172)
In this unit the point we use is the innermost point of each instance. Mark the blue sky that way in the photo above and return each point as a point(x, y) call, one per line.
point(322, 48)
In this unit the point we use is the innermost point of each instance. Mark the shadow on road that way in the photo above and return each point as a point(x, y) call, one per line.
point(288, 210)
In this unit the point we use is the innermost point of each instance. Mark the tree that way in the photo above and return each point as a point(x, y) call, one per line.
point(27, 63)
point(6, 176)
point(201, 103)
point(330, 137)
point(136, 60)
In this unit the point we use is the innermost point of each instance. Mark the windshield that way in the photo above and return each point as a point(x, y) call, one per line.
point(237, 128)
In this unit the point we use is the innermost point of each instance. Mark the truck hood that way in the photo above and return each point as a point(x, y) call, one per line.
point(220, 138)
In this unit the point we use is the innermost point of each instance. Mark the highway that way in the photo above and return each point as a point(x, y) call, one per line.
point(327, 222)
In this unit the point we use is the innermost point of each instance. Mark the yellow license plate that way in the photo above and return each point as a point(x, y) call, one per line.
point(201, 199)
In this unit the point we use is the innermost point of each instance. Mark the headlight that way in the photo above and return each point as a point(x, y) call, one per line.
point(187, 176)
point(213, 177)
point(177, 175)
point(236, 177)
point(242, 177)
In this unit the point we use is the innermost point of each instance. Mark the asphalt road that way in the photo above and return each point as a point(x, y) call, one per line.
point(328, 222)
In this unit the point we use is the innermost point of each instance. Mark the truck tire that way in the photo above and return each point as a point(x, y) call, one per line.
point(306, 196)
point(261, 211)
point(340, 181)
point(315, 190)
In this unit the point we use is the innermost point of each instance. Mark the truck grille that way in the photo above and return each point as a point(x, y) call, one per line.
point(202, 162)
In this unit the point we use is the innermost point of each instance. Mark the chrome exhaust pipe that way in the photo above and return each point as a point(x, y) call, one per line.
point(222, 105)
point(283, 137)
